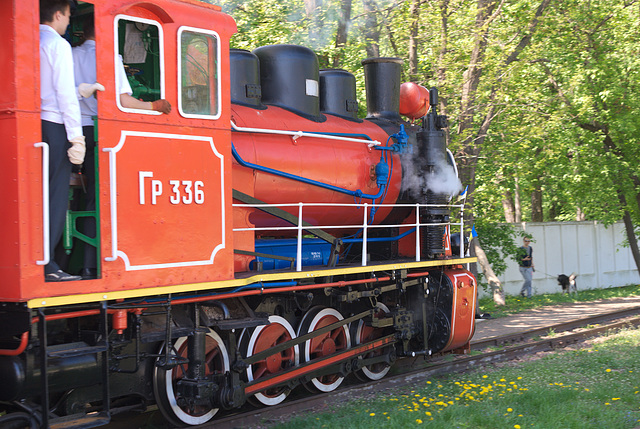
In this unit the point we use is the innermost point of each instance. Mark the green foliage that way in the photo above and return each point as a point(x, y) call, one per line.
point(499, 241)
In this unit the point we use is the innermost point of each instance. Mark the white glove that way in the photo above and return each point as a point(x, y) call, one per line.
point(77, 150)
point(86, 90)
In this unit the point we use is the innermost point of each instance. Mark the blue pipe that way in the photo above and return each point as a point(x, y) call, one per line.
point(262, 285)
point(357, 194)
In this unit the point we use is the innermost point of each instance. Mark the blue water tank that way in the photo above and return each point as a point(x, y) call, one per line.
point(315, 252)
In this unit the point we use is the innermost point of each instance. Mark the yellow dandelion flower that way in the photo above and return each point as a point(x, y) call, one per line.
point(586, 390)
point(615, 399)
point(509, 410)
point(428, 382)
point(516, 426)
point(606, 403)
point(372, 414)
point(607, 370)
point(519, 378)
point(485, 376)
point(427, 413)
point(419, 421)
point(388, 418)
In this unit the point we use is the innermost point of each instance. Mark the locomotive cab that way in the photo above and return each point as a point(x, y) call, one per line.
point(157, 175)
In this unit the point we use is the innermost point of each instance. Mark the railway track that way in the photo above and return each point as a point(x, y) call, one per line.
point(412, 370)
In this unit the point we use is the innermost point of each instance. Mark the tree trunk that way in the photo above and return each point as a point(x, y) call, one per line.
point(442, 70)
point(518, 205)
point(371, 32)
point(312, 9)
point(580, 216)
point(496, 286)
point(536, 204)
point(471, 76)
point(629, 229)
point(508, 207)
point(414, 13)
point(631, 237)
point(342, 31)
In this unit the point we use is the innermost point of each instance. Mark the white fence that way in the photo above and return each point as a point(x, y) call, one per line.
point(589, 249)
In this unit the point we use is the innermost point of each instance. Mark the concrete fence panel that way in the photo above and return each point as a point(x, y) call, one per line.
point(590, 249)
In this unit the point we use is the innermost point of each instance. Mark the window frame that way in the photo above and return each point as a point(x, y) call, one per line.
point(116, 44)
point(203, 31)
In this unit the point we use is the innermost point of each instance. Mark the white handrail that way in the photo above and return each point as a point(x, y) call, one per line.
point(45, 204)
point(299, 248)
point(113, 202)
point(365, 225)
point(365, 235)
point(297, 134)
point(417, 232)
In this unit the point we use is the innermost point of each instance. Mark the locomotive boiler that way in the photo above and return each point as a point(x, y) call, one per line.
point(260, 237)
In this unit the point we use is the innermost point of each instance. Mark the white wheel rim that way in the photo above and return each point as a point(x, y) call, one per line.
point(179, 412)
point(307, 345)
point(261, 397)
point(366, 371)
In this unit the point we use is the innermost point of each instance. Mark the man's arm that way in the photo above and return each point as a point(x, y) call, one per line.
point(66, 95)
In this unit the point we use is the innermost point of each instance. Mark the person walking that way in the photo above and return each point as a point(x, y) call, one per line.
point(526, 267)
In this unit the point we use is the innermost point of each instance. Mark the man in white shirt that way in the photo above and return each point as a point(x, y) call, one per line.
point(60, 115)
point(84, 65)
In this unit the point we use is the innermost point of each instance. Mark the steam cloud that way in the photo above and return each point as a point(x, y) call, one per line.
point(417, 178)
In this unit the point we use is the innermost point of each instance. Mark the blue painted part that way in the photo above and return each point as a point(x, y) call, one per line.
point(264, 285)
point(401, 138)
point(315, 252)
point(379, 239)
point(358, 193)
point(382, 173)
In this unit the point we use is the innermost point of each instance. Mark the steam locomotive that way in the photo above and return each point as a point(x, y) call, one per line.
point(259, 237)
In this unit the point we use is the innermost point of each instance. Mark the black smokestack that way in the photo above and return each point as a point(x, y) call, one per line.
point(382, 82)
point(432, 147)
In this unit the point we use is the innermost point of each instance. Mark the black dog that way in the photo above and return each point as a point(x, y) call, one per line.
point(568, 283)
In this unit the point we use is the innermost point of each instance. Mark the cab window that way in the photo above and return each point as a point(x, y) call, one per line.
point(198, 73)
point(139, 48)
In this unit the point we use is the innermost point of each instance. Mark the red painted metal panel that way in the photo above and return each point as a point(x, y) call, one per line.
point(464, 307)
point(347, 165)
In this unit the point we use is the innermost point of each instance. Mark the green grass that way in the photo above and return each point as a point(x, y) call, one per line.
point(594, 387)
point(516, 304)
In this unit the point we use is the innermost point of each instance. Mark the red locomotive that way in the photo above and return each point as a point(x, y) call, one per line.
point(258, 237)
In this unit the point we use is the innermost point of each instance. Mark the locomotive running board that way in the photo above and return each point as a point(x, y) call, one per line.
point(304, 369)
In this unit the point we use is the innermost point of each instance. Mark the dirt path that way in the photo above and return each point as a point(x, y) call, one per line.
point(548, 316)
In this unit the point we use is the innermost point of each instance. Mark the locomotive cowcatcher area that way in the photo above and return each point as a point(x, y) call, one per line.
point(255, 238)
